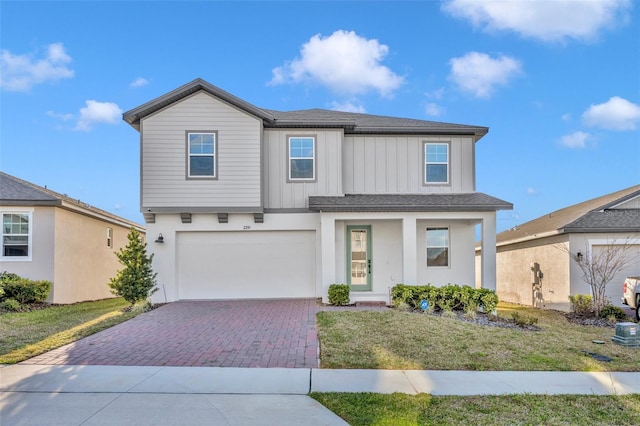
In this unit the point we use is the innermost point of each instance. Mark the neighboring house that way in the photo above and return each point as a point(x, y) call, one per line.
point(533, 262)
point(50, 236)
point(256, 203)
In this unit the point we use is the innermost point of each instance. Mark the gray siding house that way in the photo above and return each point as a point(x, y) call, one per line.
point(246, 202)
point(533, 262)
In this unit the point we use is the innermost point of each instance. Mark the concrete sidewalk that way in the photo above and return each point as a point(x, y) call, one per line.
point(120, 395)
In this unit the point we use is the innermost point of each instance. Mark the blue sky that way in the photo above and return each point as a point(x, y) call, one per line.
point(557, 83)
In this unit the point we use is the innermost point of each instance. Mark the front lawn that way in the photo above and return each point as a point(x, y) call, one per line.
point(26, 334)
point(403, 340)
point(401, 409)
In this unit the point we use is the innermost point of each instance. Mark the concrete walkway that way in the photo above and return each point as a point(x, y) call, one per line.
point(121, 395)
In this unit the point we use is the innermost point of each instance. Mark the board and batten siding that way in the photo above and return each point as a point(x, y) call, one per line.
point(164, 155)
point(279, 193)
point(395, 164)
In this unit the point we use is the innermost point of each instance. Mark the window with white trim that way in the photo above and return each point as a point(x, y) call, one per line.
point(202, 154)
point(436, 163)
point(302, 158)
point(438, 247)
point(16, 235)
point(110, 237)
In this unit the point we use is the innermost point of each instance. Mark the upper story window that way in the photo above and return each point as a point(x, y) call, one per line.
point(16, 236)
point(302, 158)
point(437, 247)
point(202, 154)
point(436, 163)
point(110, 237)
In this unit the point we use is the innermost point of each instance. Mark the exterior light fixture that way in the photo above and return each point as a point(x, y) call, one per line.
point(579, 256)
point(160, 239)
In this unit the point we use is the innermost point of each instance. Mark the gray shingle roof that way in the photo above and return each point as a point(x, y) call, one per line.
point(315, 118)
point(476, 201)
point(18, 192)
point(595, 215)
point(14, 191)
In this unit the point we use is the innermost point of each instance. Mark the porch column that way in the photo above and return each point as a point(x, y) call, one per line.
point(409, 254)
point(489, 252)
point(328, 253)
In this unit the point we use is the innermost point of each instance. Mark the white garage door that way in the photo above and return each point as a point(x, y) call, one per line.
point(254, 265)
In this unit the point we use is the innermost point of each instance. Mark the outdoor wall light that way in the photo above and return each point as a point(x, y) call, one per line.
point(579, 256)
point(160, 239)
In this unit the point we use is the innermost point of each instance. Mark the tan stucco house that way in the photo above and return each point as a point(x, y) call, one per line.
point(51, 236)
point(257, 203)
point(533, 264)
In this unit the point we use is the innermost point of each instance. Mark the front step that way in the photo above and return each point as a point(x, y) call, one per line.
point(371, 304)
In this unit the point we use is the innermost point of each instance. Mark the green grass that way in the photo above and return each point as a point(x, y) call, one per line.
point(26, 334)
point(403, 340)
point(403, 410)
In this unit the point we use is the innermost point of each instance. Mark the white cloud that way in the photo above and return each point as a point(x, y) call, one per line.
point(615, 114)
point(139, 82)
point(19, 73)
point(347, 106)
point(434, 110)
point(60, 116)
point(549, 21)
point(98, 112)
point(344, 62)
point(565, 117)
point(575, 140)
point(531, 191)
point(480, 74)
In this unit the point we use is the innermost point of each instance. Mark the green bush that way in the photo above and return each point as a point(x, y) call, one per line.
point(610, 311)
point(523, 320)
point(339, 294)
point(136, 281)
point(445, 298)
point(6, 277)
point(581, 304)
point(27, 291)
point(11, 305)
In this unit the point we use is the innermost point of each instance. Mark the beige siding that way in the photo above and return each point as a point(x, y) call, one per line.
point(394, 164)
point(515, 278)
point(281, 194)
point(83, 261)
point(164, 182)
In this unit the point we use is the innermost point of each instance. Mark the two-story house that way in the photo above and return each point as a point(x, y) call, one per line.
point(245, 202)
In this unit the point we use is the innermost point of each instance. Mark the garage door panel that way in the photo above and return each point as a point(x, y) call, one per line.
point(233, 265)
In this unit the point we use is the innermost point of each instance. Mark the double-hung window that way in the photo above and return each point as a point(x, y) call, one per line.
point(437, 247)
point(302, 158)
point(202, 154)
point(16, 235)
point(436, 163)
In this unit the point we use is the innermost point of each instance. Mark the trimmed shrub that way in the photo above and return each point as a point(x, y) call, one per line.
point(615, 312)
point(11, 305)
point(581, 304)
point(523, 320)
point(27, 291)
point(339, 294)
point(445, 298)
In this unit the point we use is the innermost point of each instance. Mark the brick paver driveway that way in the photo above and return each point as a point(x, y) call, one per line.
point(248, 333)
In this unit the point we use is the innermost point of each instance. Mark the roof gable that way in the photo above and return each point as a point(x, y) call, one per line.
point(595, 215)
point(311, 118)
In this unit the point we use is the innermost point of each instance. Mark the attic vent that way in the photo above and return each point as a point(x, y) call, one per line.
point(223, 218)
point(258, 217)
point(186, 217)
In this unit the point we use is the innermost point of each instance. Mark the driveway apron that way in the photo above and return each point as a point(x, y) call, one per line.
point(246, 333)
